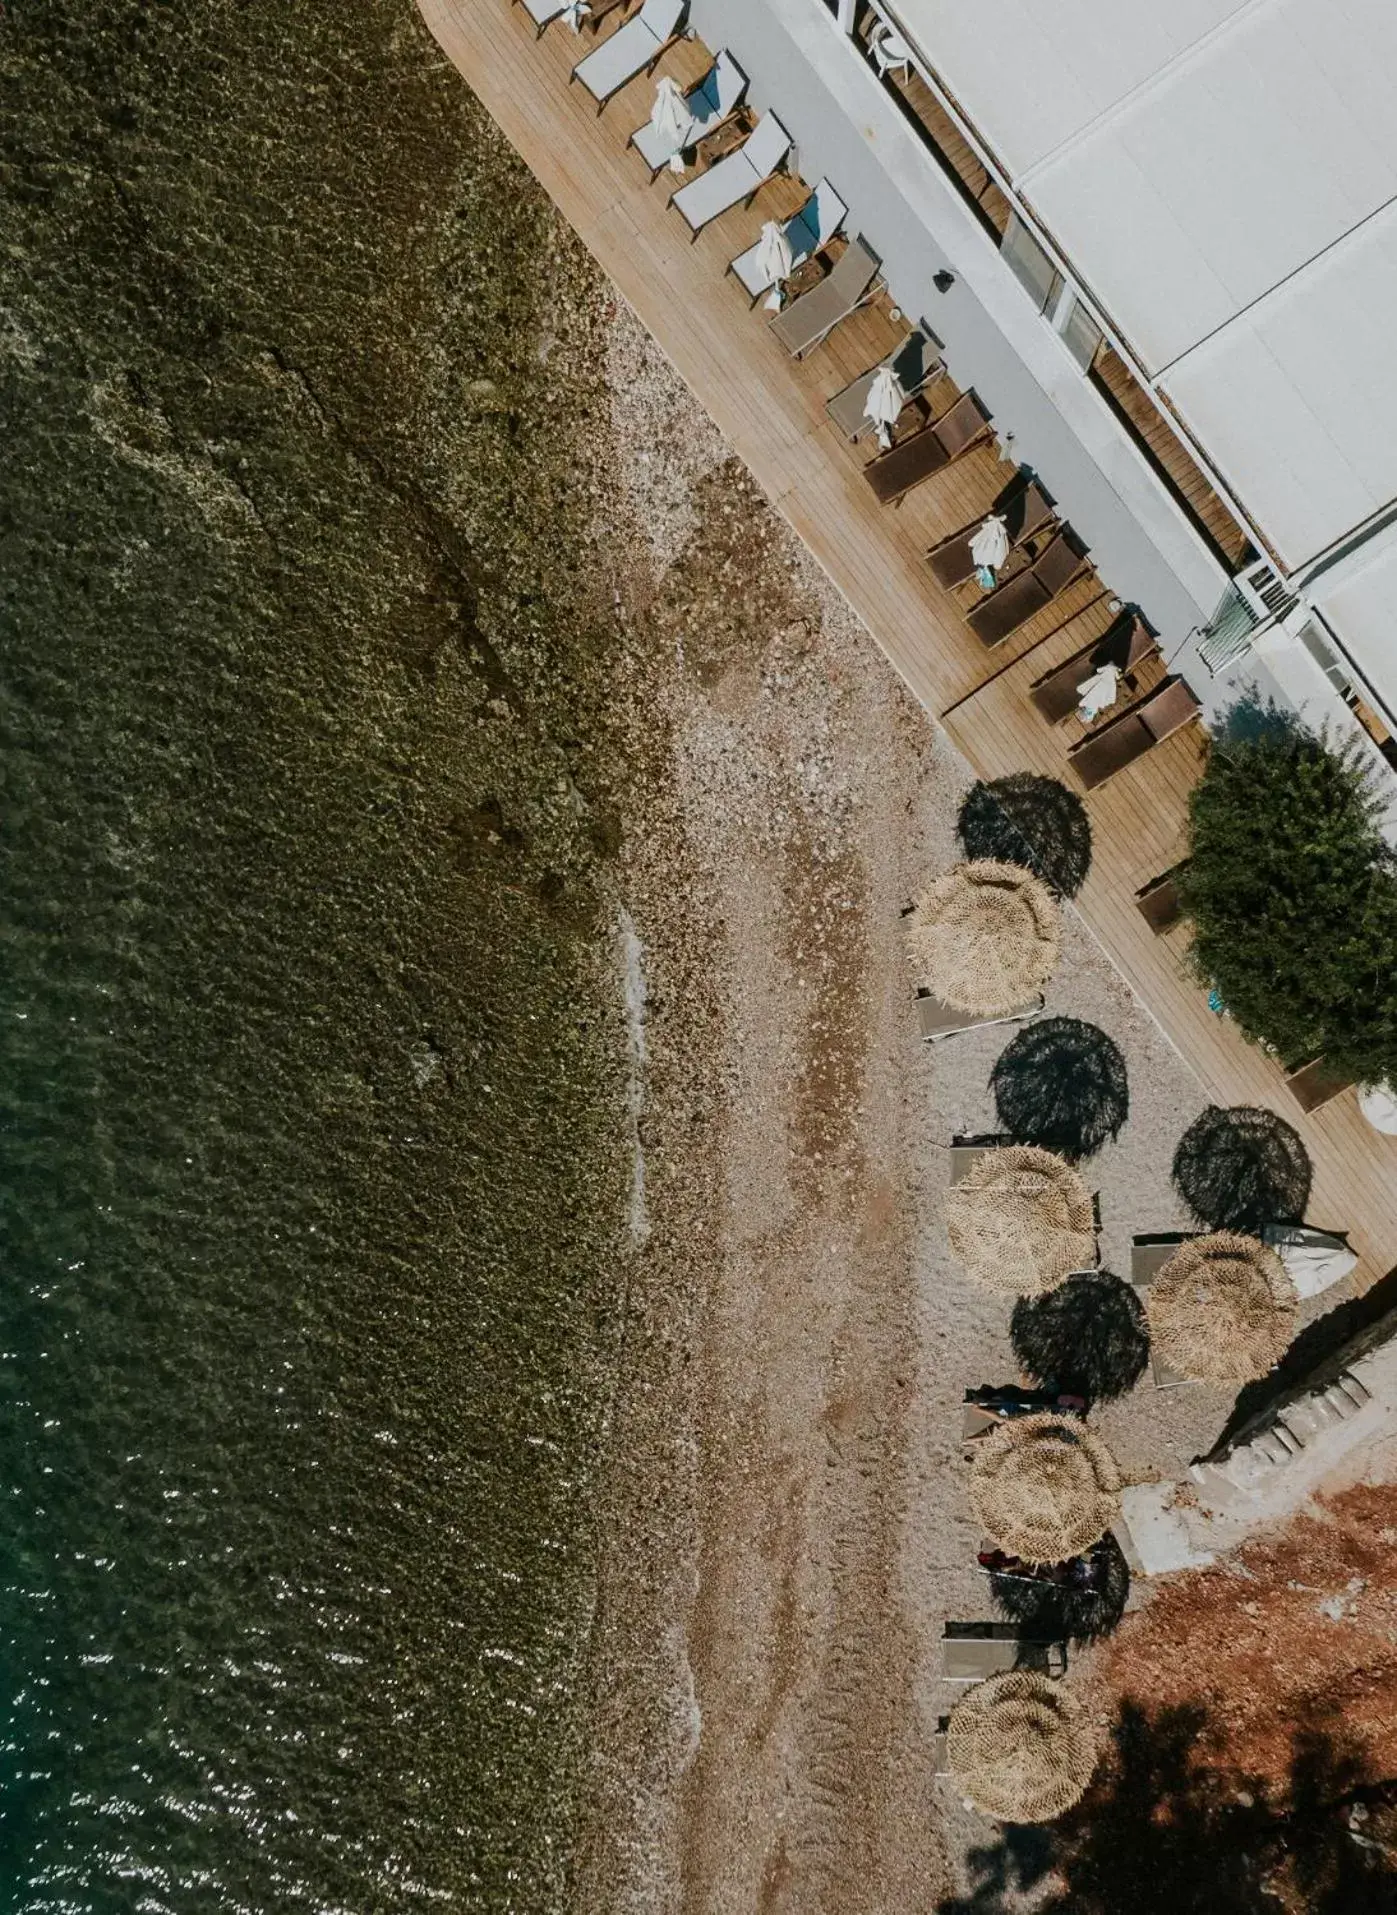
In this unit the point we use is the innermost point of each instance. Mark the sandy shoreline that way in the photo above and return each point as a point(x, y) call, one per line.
point(788, 1528)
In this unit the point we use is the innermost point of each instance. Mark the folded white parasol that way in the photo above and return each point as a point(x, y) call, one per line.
point(884, 403)
point(1098, 693)
point(775, 259)
point(990, 546)
point(672, 121)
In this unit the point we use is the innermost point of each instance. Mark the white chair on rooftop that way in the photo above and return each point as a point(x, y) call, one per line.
point(890, 53)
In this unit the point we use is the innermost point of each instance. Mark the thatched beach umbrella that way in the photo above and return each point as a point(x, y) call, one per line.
point(984, 937)
point(1222, 1309)
point(1020, 1748)
point(1045, 1487)
point(1021, 1220)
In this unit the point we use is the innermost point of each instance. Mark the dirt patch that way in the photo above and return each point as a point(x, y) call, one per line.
point(1297, 1633)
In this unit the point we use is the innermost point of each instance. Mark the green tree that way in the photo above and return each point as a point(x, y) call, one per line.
point(1293, 896)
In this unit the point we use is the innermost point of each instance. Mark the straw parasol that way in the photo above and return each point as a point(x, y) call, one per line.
point(1222, 1309)
point(1045, 1487)
point(984, 937)
point(1020, 1748)
point(1021, 1220)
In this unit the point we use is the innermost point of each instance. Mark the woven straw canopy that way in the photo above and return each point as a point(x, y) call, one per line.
point(1045, 1487)
point(1020, 1748)
point(1021, 1219)
point(984, 937)
point(1222, 1309)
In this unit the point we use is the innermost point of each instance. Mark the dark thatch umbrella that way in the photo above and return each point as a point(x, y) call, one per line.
point(1242, 1168)
point(1058, 1612)
point(1033, 821)
point(1062, 1084)
point(1088, 1337)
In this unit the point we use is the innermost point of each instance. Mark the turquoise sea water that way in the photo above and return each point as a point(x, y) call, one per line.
point(308, 1172)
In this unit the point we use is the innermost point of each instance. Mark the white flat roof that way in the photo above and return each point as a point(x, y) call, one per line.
point(1218, 174)
point(1357, 597)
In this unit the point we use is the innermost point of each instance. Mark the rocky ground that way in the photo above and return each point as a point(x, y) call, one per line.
point(790, 1528)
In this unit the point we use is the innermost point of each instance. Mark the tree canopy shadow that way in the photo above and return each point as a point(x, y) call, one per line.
point(1051, 1612)
point(1242, 1168)
point(1166, 1831)
point(1061, 1083)
point(1088, 1337)
point(1032, 821)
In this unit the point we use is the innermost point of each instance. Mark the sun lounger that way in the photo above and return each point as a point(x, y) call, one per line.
point(896, 471)
point(633, 49)
point(1316, 1084)
point(915, 362)
point(975, 1651)
point(814, 316)
point(544, 12)
point(1166, 710)
point(710, 104)
point(965, 1151)
point(984, 1410)
point(1148, 1256)
point(736, 177)
point(1016, 601)
point(808, 231)
point(1025, 510)
point(938, 1019)
point(1126, 646)
point(1158, 901)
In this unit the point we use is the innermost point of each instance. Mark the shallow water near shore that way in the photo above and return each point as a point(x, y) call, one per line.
point(314, 1150)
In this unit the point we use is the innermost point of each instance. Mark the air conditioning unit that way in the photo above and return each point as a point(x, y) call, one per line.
point(1265, 590)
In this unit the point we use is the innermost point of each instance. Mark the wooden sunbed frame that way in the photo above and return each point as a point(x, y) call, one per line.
point(1317, 1083)
point(1158, 901)
point(916, 362)
point(1016, 601)
point(1025, 509)
point(894, 473)
point(1167, 709)
point(851, 282)
point(1127, 645)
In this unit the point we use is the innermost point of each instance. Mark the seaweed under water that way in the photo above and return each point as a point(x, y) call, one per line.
point(310, 1129)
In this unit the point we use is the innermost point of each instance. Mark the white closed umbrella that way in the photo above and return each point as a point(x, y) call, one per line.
point(575, 12)
point(775, 260)
point(672, 121)
point(1098, 693)
point(884, 403)
point(990, 545)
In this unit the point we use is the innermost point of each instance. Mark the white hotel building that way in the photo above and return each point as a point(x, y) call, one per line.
point(1159, 238)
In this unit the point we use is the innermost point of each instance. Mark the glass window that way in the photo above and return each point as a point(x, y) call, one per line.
point(1080, 334)
point(1032, 268)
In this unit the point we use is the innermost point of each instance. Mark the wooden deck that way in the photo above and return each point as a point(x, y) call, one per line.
point(771, 411)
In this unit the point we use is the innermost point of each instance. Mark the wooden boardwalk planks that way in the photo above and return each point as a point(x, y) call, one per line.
point(772, 413)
